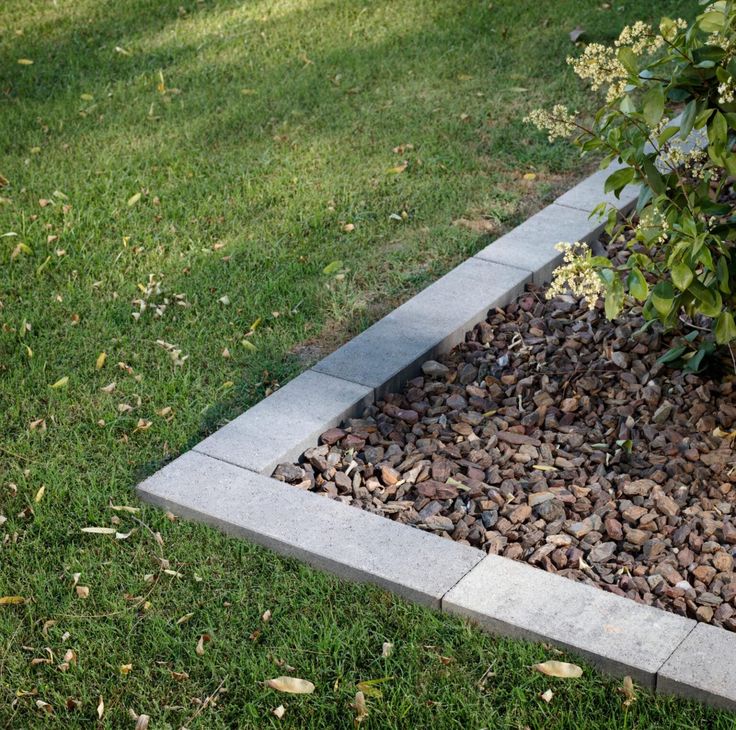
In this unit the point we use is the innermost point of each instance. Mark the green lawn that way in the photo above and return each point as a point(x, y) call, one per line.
point(225, 149)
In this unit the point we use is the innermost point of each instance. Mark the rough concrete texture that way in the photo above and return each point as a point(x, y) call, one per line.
point(614, 633)
point(351, 543)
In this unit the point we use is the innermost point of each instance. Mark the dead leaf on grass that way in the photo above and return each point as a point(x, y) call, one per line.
point(99, 530)
point(45, 706)
point(479, 226)
point(628, 691)
point(199, 650)
point(279, 711)
point(11, 600)
point(291, 685)
point(547, 696)
point(554, 668)
point(361, 710)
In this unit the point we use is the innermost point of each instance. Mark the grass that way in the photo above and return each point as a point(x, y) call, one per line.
point(224, 148)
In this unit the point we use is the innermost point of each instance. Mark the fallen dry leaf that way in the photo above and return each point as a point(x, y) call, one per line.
point(628, 691)
point(361, 711)
point(141, 722)
point(348, 227)
point(99, 530)
point(100, 362)
point(143, 425)
point(183, 619)
point(387, 649)
point(554, 668)
point(11, 600)
point(179, 676)
point(479, 226)
point(292, 685)
point(133, 199)
point(199, 650)
point(82, 591)
point(108, 388)
point(266, 617)
point(100, 708)
point(45, 706)
point(39, 494)
point(61, 383)
point(125, 508)
point(547, 696)
point(280, 711)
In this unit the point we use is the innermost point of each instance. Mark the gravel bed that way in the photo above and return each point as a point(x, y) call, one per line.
point(553, 436)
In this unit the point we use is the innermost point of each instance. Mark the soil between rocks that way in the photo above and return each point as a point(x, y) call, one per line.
point(553, 436)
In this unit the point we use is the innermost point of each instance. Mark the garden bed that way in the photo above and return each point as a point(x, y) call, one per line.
point(554, 436)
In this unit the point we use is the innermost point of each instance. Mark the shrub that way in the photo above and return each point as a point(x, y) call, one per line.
point(669, 120)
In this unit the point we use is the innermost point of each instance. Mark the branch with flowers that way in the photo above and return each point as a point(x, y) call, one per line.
point(668, 113)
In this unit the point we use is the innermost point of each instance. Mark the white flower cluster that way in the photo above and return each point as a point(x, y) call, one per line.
point(652, 218)
point(692, 158)
point(640, 38)
point(576, 274)
point(726, 91)
point(600, 66)
point(559, 123)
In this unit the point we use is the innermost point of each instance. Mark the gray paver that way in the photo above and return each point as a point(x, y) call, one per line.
point(281, 426)
point(327, 534)
point(703, 668)
point(616, 634)
point(587, 194)
point(435, 320)
point(531, 245)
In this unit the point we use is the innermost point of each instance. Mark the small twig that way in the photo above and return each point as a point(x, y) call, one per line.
point(733, 358)
point(206, 703)
point(693, 325)
point(16, 456)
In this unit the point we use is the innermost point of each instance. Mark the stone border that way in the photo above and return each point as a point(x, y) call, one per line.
point(225, 481)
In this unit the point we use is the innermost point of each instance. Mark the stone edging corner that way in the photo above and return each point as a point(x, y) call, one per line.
point(225, 481)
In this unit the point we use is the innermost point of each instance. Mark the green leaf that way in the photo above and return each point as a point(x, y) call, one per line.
point(332, 267)
point(627, 105)
point(725, 328)
point(663, 298)
point(629, 60)
point(682, 276)
point(723, 275)
point(712, 22)
point(653, 105)
point(688, 119)
point(718, 132)
point(614, 298)
point(709, 300)
point(638, 286)
point(672, 354)
point(654, 179)
point(619, 180)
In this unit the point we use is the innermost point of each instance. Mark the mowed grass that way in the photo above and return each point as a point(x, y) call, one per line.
point(232, 164)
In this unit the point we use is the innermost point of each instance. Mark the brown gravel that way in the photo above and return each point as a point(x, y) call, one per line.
point(553, 436)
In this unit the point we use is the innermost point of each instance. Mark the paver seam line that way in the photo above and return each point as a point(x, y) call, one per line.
point(475, 257)
point(671, 654)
